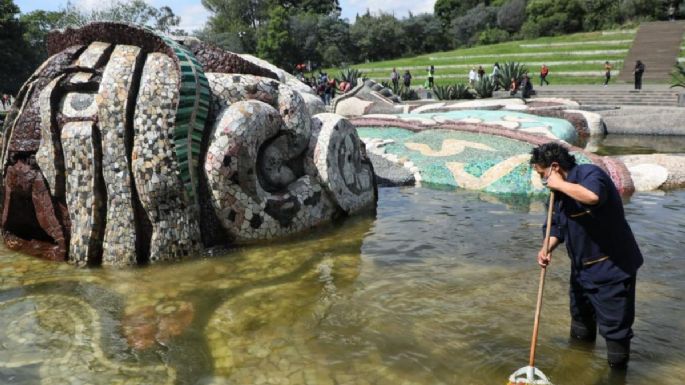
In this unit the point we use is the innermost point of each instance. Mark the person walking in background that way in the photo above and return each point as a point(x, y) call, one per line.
point(481, 73)
point(526, 87)
point(496, 75)
point(473, 76)
point(395, 78)
point(431, 75)
point(407, 79)
point(333, 87)
point(607, 72)
point(671, 12)
point(544, 71)
point(638, 71)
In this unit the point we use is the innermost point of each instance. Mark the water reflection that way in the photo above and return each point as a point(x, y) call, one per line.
point(438, 288)
point(635, 144)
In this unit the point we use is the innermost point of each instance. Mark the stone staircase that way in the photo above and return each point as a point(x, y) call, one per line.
point(607, 96)
point(657, 44)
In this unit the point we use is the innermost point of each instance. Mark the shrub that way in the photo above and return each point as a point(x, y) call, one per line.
point(493, 36)
point(452, 92)
point(462, 91)
point(351, 75)
point(553, 17)
point(442, 92)
point(464, 30)
point(407, 93)
point(485, 86)
point(678, 76)
point(511, 15)
point(390, 85)
point(511, 70)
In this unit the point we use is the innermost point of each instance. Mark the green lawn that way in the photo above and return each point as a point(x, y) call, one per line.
point(572, 59)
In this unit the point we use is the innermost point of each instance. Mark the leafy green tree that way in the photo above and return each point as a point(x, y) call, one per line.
point(512, 15)
point(314, 6)
point(553, 17)
point(274, 43)
point(639, 10)
point(135, 11)
point(600, 14)
point(37, 25)
point(235, 24)
point(492, 36)
point(465, 29)
point(304, 30)
point(424, 34)
point(377, 37)
point(335, 44)
point(448, 10)
point(17, 59)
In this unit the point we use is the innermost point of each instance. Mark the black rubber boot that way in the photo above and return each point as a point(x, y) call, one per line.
point(583, 332)
point(618, 353)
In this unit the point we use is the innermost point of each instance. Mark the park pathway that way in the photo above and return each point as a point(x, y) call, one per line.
point(657, 44)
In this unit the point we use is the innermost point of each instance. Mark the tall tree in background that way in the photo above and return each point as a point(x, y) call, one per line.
point(37, 25)
point(16, 56)
point(335, 45)
point(138, 12)
point(553, 17)
point(424, 33)
point(321, 7)
point(465, 29)
point(447, 10)
point(275, 44)
point(235, 24)
point(378, 37)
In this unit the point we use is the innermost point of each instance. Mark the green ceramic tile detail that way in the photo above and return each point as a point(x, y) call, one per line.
point(190, 116)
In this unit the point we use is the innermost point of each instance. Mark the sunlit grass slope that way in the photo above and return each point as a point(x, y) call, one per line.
point(572, 59)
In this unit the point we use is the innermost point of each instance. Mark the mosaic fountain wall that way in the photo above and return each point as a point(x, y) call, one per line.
point(127, 147)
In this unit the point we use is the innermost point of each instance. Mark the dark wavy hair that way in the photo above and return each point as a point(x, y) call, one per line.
point(548, 153)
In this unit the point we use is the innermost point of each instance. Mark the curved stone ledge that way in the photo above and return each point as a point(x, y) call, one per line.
point(656, 171)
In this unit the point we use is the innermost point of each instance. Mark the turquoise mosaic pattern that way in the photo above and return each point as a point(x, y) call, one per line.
point(559, 128)
point(464, 159)
point(191, 115)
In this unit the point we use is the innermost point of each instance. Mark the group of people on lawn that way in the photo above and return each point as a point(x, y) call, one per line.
point(524, 85)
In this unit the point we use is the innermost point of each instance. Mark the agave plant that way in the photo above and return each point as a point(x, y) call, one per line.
point(678, 76)
point(452, 92)
point(461, 91)
point(351, 75)
point(407, 93)
point(485, 86)
point(395, 89)
point(511, 70)
point(442, 92)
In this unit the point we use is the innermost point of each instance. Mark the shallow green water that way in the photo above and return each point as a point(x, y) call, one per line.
point(637, 144)
point(437, 288)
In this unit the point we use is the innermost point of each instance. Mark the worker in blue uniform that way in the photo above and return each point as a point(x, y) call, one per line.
point(588, 217)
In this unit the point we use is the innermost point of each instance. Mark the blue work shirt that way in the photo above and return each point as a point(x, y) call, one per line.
point(599, 240)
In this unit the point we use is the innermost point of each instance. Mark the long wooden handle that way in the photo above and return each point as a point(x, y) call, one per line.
point(543, 270)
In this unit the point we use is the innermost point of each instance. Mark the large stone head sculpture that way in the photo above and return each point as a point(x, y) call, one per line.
point(128, 147)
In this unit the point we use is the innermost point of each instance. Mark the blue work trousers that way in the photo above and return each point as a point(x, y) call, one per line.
point(611, 307)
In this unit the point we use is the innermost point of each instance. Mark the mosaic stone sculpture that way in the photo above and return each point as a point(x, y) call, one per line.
point(128, 147)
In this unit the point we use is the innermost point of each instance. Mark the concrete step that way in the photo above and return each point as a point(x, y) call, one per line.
point(657, 45)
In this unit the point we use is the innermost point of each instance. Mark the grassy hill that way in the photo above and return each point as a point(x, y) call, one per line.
point(572, 59)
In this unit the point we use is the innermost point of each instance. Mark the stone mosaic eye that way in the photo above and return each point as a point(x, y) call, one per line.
point(79, 105)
